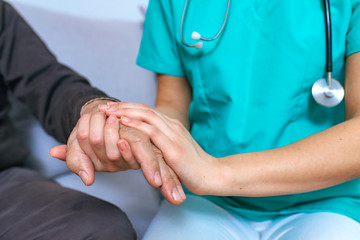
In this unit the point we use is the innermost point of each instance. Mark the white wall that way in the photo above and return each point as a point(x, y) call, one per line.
point(128, 10)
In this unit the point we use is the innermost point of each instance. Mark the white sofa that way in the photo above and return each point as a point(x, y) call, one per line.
point(103, 48)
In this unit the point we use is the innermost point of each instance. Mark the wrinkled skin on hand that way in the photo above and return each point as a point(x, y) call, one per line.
point(102, 144)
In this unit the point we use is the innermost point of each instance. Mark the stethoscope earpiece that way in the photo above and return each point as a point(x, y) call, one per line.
point(199, 45)
point(196, 36)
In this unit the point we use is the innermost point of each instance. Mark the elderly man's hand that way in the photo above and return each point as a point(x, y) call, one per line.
point(147, 154)
point(95, 145)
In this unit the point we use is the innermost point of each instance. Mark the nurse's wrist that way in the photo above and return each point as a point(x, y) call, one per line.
point(213, 177)
point(223, 179)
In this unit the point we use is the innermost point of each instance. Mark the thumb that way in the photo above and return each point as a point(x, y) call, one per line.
point(59, 152)
point(79, 163)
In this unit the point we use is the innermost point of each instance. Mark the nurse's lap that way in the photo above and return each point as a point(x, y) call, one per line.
point(198, 218)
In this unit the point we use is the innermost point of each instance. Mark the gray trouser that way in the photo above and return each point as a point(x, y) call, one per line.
point(33, 207)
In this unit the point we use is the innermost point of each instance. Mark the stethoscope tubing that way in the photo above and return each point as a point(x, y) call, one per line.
point(329, 60)
point(326, 91)
point(202, 38)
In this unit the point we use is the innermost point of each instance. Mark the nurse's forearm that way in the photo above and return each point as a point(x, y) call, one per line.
point(173, 98)
point(322, 160)
point(175, 114)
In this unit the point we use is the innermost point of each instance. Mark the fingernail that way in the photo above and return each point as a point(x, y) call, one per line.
point(175, 194)
point(125, 119)
point(103, 106)
point(111, 103)
point(84, 177)
point(111, 109)
point(157, 179)
point(181, 191)
point(111, 119)
point(122, 146)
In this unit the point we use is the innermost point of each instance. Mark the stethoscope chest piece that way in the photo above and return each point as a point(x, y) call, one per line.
point(328, 94)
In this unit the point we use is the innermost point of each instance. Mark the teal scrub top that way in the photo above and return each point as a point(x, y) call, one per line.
point(252, 85)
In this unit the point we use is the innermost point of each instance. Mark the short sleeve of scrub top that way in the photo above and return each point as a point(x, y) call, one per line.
point(158, 51)
point(353, 36)
point(252, 85)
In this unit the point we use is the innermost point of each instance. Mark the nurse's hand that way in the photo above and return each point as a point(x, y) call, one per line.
point(195, 168)
point(142, 149)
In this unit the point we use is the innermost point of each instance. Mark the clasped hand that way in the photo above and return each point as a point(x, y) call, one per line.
point(101, 143)
point(196, 169)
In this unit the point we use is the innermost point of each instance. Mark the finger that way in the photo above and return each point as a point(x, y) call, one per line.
point(127, 154)
point(111, 138)
point(178, 184)
point(161, 140)
point(96, 138)
point(118, 107)
point(103, 107)
point(151, 117)
point(78, 162)
point(82, 135)
point(59, 152)
point(140, 147)
point(145, 156)
point(171, 188)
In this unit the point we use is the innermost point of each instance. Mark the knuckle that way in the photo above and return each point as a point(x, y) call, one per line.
point(154, 132)
point(149, 113)
point(176, 152)
point(82, 135)
point(177, 125)
point(113, 156)
point(96, 141)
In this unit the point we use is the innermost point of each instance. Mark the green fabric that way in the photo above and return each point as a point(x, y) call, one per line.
point(252, 85)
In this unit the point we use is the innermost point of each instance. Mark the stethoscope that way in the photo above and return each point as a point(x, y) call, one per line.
point(326, 91)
